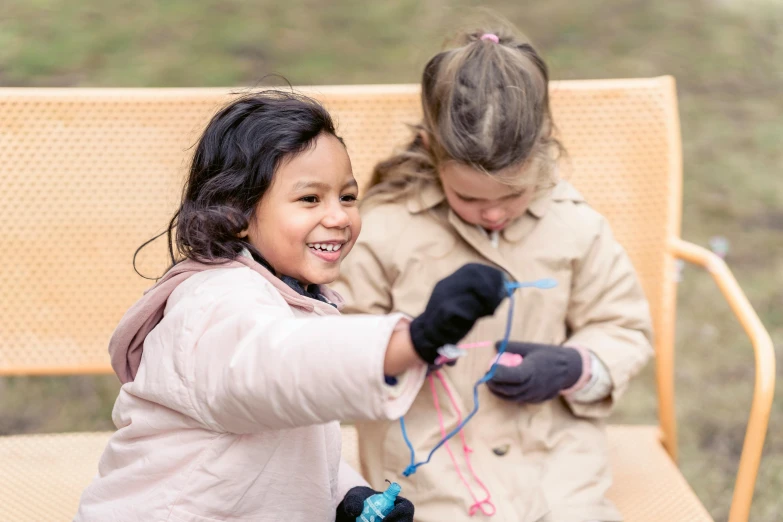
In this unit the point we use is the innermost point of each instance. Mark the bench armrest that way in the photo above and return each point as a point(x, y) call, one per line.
point(764, 386)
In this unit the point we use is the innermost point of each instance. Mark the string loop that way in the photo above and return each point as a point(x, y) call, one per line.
point(511, 287)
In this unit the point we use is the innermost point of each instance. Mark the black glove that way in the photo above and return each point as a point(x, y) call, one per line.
point(457, 302)
point(353, 504)
point(545, 371)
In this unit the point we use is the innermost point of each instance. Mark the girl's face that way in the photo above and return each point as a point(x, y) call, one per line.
point(480, 199)
point(308, 220)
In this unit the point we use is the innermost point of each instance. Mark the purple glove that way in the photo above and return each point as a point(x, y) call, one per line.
point(545, 371)
point(353, 504)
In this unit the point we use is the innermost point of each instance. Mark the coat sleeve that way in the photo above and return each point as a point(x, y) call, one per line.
point(608, 314)
point(255, 366)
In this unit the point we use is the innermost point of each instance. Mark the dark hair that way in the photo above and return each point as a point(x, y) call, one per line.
point(233, 167)
point(485, 104)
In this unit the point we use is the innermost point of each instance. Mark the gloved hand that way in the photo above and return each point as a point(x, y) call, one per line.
point(544, 372)
point(353, 504)
point(457, 302)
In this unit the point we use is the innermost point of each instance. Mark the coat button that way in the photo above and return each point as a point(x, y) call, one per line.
point(501, 450)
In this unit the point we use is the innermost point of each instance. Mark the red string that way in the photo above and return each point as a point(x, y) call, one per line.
point(485, 505)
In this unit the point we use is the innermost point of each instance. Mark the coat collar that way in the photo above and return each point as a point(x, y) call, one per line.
point(292, 295)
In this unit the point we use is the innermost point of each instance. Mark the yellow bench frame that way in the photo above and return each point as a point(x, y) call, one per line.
point(89, 174)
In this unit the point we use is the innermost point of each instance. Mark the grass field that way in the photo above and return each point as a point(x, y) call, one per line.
point(727, 56)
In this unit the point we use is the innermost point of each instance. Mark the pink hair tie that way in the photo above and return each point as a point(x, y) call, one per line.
point(491, 37)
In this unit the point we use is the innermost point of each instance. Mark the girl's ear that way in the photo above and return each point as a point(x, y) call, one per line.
point(243, 234)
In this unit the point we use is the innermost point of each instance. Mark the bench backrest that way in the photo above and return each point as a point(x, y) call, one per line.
point(87, 175)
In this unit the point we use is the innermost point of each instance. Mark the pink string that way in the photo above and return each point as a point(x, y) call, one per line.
point(465, 346)
point(485, 505)
point(470, 346)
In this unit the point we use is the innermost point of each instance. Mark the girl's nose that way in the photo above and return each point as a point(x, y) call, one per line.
point(336, 217)
point(493, 215)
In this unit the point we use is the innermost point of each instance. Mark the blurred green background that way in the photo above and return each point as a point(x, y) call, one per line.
point(727, 56)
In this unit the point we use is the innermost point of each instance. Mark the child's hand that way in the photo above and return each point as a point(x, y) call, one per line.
point(457, 302)
point(353, 504)
point(544, 372)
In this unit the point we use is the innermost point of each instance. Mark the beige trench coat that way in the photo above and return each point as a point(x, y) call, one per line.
point(539, 461)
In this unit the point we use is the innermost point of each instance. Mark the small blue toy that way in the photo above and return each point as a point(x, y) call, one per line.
point(379, 505)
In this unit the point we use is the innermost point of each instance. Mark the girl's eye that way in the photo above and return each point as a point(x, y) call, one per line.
point(348, 198)
point(467, 199)
point(309, 199)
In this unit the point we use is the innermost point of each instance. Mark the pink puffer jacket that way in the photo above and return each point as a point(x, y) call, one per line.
point(233, 410)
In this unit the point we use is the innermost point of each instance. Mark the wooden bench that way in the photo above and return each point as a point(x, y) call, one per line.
point(87, 175)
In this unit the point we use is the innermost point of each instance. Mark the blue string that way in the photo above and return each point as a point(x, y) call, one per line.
point(543, 284)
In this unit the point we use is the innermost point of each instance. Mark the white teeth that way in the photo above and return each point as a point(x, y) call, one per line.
point(326, 247)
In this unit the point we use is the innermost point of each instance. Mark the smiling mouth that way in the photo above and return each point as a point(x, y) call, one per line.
point(330, 252)
point(325, 247)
